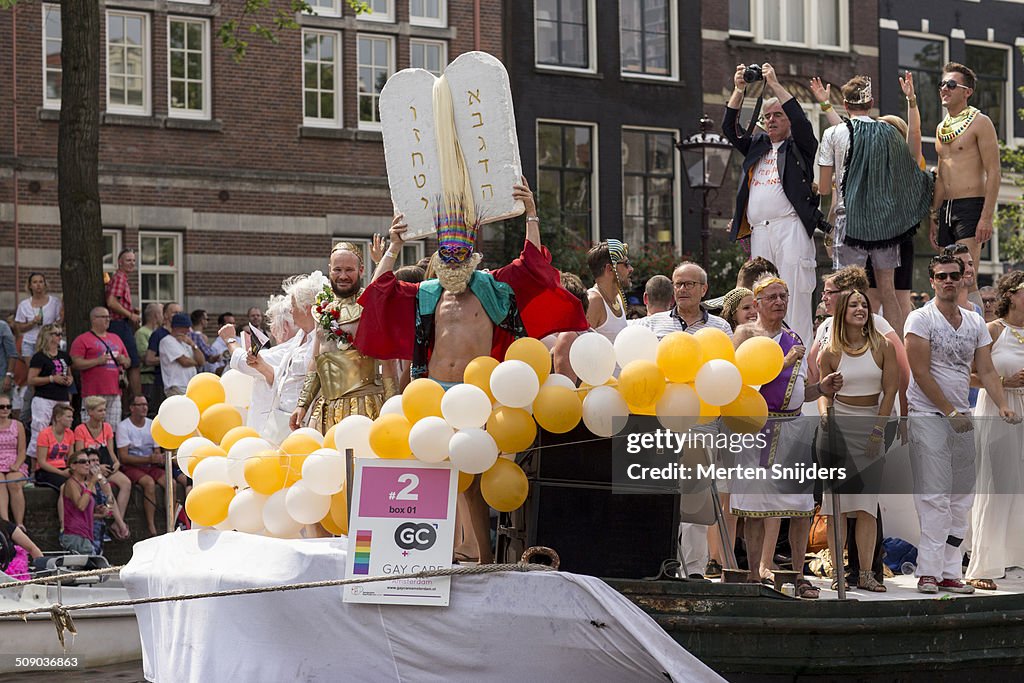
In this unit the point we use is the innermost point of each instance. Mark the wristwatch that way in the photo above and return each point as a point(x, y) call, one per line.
point(231, 340)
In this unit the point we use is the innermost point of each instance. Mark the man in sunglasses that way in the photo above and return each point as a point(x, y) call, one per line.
point(967, 184)
point(943, 341)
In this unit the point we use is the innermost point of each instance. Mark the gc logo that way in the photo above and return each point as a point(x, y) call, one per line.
point(412, 536)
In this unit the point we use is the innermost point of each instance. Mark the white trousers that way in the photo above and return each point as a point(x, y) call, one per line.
point(42, 415)
point(693, 548)
point(785, 243)
point(943, 464)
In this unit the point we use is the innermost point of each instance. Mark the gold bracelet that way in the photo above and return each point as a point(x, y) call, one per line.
point(825, 106)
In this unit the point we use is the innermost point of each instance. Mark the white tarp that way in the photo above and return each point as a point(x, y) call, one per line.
point(549, 626)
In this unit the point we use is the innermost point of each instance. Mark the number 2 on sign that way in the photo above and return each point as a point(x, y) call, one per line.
point(411, 481)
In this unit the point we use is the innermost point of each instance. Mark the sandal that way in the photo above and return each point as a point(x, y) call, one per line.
point(806, 590)
point(835, 584)
point(866, 580)
point(982, 584)
point(713, 570)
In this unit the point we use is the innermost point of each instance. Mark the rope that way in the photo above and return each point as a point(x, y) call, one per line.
point(68, 576)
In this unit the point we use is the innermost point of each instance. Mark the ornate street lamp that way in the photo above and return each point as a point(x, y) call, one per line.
point(705, 157)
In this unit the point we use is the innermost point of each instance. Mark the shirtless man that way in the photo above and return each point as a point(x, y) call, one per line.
point(968, 173)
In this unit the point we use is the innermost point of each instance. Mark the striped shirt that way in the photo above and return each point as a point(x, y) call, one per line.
point(670, 321)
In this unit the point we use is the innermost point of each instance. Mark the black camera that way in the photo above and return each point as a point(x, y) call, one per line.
point(753, 73)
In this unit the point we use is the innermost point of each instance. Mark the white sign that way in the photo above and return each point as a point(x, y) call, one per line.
point(402, 521)
point(485, 125)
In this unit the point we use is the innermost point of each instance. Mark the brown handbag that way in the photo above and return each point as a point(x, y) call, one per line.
point(817, 539)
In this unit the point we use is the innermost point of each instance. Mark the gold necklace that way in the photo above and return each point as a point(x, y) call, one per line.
point(614, 304)
point(1017, 335)
point(953, 126)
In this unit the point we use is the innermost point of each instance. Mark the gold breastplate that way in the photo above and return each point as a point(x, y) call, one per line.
point(344, 371)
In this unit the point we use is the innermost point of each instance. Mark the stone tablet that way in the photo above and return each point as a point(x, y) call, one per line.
point(484, 125)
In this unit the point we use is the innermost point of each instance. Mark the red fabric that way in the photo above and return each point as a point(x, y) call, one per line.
point(102, 379)
point(119, 289)
point(387, 326)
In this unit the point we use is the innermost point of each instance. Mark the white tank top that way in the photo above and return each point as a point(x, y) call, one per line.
point(612, 324)
point(861, 375)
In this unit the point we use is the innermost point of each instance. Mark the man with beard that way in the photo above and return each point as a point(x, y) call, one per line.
point(341, 381)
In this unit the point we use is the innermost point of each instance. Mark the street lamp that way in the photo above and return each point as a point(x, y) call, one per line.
point(705, 157)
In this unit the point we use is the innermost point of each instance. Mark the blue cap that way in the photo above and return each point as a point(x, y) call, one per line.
point(181, 320)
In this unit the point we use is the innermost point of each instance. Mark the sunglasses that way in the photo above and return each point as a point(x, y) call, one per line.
point(954, 249)
point(80, 462)
point(941, 277)
point(56, 334)
point(5, 406)
point(951, 85)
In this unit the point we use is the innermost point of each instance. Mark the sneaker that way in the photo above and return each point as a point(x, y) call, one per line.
point(955, 586)
point(927, 584)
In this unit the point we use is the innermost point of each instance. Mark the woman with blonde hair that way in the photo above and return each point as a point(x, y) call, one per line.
point(49, 374)
point(96, 433)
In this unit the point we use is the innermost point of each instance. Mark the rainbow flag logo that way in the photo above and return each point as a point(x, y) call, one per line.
point(362, 561)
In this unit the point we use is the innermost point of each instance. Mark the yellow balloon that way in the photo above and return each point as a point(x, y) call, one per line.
point(266, 473)
point(235, 435)
point(504, 486)
point(293, 468)
point(218, 420)
point(422, 398)
point(714, 344)
point(513, 429)
point(330, 526)
point(389, 437)
point(585, 388)
point(748, 414)
point(759, 360)
point(339, 512)
point(298, 443)
point(641, 383)
point(466, 480)
point(165, 440)
point(642, 410)
point(329, 437)
point(708, 412)
point(205, 390)
point(207, 503)
point(203, 452)
point(532, 352)
point(557, 409)
point(679, 357)
point(478, 373)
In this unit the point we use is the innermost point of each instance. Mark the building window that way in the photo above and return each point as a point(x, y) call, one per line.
point(648, 179)
point(646, 37)
point(320, 78)
point(188, 54)
point(411, 254)
point(376, 64)
point(51, 56)
point(807, 23)
point(325, 8)
point(739, 17)
point(563, 33)
point(989, 65)
point(431, 55)
point(380, 10)
point(924, 58)
point(111, 248)
point(428, 12)
point(159, 267)
point(565, 178)
point(128, 63)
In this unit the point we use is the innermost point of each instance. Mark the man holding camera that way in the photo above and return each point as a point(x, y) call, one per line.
point(777, 204)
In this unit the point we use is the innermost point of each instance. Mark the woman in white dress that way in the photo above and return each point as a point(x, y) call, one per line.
point(867, 362)
point(997, 518)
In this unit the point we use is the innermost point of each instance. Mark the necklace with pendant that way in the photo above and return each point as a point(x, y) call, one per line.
point(953, 126)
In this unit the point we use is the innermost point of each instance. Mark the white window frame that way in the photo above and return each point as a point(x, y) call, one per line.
point(314, 121)
point(591, 44)
point(440, 22)
point(385, 17)
point(193, 2)
point(595, 176)
point(753, 21)
point(117, 235)
point(372, 125)
point(1008, 89)
point(677, 170)
point(178, 271)
point(333, 11)
point(49, 103)
point(926, 135)
point(673, 40)
point(440, 43)
point(203, 113)
point(147, 69)
point(810, 13)
point(417, 247)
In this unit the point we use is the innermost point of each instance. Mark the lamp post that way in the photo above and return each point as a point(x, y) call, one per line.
point(705, 157)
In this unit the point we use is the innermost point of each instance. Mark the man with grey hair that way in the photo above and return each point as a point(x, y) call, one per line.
point(689, 285)
point(658, 296)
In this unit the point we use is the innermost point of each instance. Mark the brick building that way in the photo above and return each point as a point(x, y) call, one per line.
point(227, 176)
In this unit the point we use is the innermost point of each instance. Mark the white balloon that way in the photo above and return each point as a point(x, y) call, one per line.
point(223, 526)
point(237, 388)
point(245, 512)
point(214, 468)
point(635, 342)
point(392, 405)
point(678, 408)
point(323, 472)
point(310, 432)
point(718, 382)
point(554, 380)
point(185, 450)
point(354, 432)
point(305, 505)
point(179, 415)
point(240, 451)
point(464, 406)
point(276, 518)
point(512, 384)
point(473, 451)
point(429, 437)
point(600, 408)
point(592, 358)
